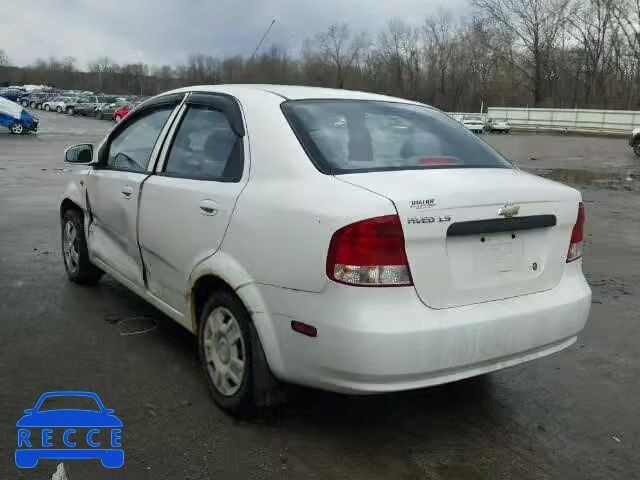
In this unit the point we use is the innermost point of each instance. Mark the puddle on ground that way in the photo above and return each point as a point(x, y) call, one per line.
point(618, 179)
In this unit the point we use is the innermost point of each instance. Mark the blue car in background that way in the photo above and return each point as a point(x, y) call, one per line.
point(12, 94)
point(36, 431)
point(16, 118)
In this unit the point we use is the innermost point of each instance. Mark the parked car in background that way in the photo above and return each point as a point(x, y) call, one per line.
point(39, 101)
point(634, 141)
point(81, 104)
point(31, 100)
point(106, 110)
point(499, 125)
point(16, 118)
point(397, 251)
point(473, 123)
point(123, 110)
point(58, 104)
point(12, 94)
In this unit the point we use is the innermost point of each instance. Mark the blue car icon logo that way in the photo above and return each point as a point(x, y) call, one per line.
point(92, 432)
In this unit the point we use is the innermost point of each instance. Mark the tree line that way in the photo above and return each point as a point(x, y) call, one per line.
point(536, 53)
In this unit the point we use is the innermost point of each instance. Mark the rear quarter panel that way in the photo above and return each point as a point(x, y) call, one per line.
point(284, 219)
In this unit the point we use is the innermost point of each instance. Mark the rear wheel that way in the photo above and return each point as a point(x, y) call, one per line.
point(33, 105)
point(17, 129)
point(25, 103)
point(59, 109)
point(47, 108)
point(232, 358)
point(71, 110)
point(74, 250)
point(99, 114)
point(117, 118)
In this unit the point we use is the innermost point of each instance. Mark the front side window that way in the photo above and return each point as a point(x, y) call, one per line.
point(348, 136)
point(131, 148)
point(205, 147)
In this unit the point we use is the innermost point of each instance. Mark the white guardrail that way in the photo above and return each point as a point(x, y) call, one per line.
point(570, 120)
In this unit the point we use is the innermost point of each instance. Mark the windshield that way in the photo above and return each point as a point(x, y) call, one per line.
point(66, 402)
point(348, 136)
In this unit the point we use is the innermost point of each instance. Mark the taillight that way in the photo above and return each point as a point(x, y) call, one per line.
point(577, 235)
point(369, 253)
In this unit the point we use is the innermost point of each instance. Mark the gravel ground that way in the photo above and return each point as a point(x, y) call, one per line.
point(571, 415)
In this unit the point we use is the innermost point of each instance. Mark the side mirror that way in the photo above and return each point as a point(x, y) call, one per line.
point(79, 154)
point(29, 411)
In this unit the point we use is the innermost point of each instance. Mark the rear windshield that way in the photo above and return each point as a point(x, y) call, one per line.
point(350, 136)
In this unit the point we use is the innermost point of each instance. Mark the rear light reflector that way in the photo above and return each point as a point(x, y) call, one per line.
point(303, 328)
point(577, 236)
point(369, 253)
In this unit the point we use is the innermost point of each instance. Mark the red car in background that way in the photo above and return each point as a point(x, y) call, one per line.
point(121, 112)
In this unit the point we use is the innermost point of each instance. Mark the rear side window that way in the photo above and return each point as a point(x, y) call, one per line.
point(205, 147)
point(350, 136)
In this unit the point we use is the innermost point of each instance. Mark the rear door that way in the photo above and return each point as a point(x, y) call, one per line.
point(113, 189)
point(187, 204)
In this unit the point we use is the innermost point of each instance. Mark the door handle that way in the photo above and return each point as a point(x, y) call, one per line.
point(209, 207)
point(127, 191)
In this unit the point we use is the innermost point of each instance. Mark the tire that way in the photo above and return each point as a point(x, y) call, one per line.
point(71, 111)
point(636, 147)
point(33, 105)
point(99, 115)
point(59, 109)
point(220, 349)
point(47, 108)
point(25, 103)
point(79, 268)
point(17, 129)
point(117, 118)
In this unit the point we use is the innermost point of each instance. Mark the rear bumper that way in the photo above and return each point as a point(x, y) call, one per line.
point(381, 340)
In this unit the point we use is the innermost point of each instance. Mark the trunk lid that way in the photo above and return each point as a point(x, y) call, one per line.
point(461, 251)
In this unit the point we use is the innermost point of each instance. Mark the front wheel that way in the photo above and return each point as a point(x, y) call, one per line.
point(59, 109)
point(71, 111)
point(74, 250)
point(47, 108)
point(17, 129)
point(99, 115)
point(25, 103)
point(117, 118)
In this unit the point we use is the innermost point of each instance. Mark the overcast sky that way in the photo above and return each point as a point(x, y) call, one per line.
point(166, 31)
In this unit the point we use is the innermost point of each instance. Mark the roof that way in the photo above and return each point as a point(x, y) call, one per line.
point(293, 92)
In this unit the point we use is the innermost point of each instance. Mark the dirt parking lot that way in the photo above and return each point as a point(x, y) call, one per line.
point(572, 415)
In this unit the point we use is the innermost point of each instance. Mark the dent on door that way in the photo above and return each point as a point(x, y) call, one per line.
point(113, 198)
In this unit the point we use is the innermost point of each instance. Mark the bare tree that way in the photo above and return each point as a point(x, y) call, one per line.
point(590, 25)
point(340, 49)
point(535, 25)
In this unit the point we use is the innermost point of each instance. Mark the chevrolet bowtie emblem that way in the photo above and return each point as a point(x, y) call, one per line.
point(509, 210)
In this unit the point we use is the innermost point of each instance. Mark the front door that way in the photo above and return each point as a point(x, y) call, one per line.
point(187, 204)
point(113, 191)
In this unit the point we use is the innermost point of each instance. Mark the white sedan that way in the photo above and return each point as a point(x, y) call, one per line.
point(473, 123)
point(340, 240)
